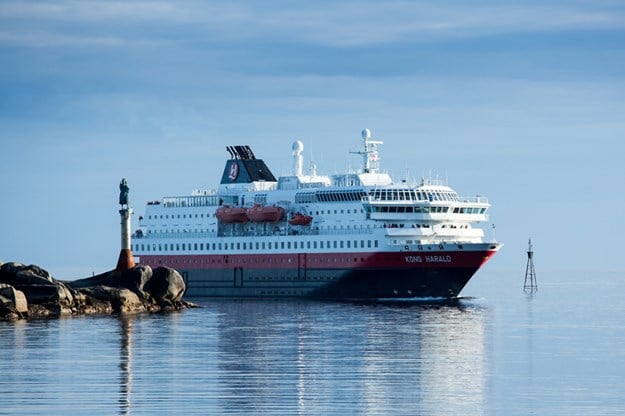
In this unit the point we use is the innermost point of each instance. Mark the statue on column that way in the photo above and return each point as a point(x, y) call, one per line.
point(123, 193)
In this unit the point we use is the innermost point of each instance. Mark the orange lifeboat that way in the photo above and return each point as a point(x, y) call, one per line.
point(300, 219)
point(261, 213)
point(229, 215)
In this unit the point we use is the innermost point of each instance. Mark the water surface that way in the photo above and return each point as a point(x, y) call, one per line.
point(506, 355)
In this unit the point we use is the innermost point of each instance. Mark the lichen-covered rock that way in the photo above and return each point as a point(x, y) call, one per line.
point(11, 309)
point(15, 297)
point(121, 300)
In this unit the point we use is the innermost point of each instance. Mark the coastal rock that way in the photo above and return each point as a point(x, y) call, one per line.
point(136, 278)
point(13, 301)
point(32, 292)
point(166, 285)
point(121, 300)
point(50, 293)
point(36, 283)
point(133, 279)
point(17, 273)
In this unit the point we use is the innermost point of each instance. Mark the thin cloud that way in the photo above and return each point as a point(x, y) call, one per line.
point(333, 24)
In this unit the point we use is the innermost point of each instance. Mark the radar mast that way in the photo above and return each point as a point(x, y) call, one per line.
point(370, 157)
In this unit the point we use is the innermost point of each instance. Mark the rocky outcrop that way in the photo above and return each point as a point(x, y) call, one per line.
point(30, 291)
point(13, 302)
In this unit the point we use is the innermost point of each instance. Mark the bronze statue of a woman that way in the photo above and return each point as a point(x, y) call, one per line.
point(123, 192)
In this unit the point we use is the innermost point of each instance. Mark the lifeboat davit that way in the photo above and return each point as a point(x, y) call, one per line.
point(300, 219)
point(262, 213)
point(229, 215)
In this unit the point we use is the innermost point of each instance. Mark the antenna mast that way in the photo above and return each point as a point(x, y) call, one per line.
point(370, 154)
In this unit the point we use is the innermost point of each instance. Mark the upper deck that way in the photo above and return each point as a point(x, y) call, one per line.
point(352, 203)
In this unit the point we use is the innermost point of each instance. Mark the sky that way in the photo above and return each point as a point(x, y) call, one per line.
point(520, 101)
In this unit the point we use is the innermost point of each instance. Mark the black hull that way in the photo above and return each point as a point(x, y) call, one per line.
point(328, 283)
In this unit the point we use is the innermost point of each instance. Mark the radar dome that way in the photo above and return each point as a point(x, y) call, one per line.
point(298, 146)
point(366, 134)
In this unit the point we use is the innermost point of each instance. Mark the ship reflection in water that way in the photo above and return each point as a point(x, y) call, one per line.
point(317, 358)
point(253, 357)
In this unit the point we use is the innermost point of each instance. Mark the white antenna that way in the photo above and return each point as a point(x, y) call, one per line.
point(370, 155)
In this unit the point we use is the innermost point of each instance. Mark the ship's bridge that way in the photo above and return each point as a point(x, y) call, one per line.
point(407, 194)
point(434, 203)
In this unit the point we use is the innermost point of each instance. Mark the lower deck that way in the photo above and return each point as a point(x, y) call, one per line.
point(328, 283)
point(328, 275)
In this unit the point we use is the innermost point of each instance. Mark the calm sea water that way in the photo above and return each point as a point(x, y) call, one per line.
point(560, 352)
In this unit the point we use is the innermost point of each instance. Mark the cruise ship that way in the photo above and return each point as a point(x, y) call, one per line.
point(355, 235)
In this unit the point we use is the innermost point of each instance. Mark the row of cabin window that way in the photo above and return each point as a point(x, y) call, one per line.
point(282, 245)
point(156, 217)
point(329, 196)
point(408, 210)
point(184, 216)
point(267, 259)
point(191, 201)
point(322, 227)
point(339, 211)
point(426, 210)
point(413, 195)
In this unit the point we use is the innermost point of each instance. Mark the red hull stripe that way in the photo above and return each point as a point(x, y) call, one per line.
point(417, 260)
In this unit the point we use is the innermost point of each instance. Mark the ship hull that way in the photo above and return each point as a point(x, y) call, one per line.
point(327, 275)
